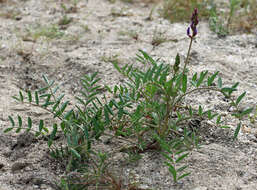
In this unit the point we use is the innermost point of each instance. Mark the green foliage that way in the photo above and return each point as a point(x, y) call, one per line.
point(147, 111)
point(70, 7)
point(49, 32)
point(174, 154)
point(216, 24)
point(180, 10)
point(241, 16)
point(65, 20)
point(80, 127)
point(148, 104)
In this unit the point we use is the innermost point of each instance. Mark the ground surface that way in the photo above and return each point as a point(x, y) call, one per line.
point(101, 31)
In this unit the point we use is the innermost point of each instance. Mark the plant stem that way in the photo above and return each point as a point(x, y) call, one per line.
point(166, 119)
point(171, 105)
point(187, 58)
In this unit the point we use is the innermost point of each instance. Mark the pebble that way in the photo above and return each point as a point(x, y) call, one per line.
point(19, 166)
point(200, 188)
point(1, 165)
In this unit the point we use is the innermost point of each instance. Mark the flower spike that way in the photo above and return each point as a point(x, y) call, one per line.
point(194, 22)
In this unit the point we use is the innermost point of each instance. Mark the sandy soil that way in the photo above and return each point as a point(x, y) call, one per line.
point(101, 31)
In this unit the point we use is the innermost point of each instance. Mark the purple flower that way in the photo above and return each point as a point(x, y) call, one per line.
point(194, 22)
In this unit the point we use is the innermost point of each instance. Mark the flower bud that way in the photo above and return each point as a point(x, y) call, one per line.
point(177, 63)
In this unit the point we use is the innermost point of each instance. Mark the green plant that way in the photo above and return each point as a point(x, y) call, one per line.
point(174, 154)
point(97, 176)
point(85, 27)
point(73, 8)
point(110, 58)
point(121, 12)
point(225, 23)
point(247, 16)
point(215, 24)
point(79, 128)
point(150, 16)
point(147, 112)
point(233, 5)
point(220, 22)
point(65, 20)
point(180, 10)
point(48, 31)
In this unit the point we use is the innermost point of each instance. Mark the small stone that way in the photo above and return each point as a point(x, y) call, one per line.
point(37, 181)
point(231, 109)
point(1, 165)
point(18, 166)
point(143, 186)
point(44, 186)
point(200, 188)
point(18, 18)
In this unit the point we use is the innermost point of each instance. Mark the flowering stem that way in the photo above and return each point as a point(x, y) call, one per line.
point(187, 58)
